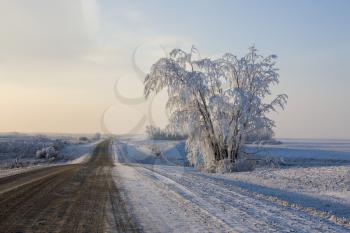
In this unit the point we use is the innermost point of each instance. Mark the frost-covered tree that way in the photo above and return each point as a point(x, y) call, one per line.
point(217, 101)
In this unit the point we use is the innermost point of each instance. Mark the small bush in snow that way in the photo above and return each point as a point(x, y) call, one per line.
point(47, 153)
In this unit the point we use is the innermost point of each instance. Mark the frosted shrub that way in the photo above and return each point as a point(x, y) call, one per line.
point(47, 153)
point(219, 102)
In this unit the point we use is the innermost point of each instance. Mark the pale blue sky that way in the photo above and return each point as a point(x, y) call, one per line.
point(64, 57)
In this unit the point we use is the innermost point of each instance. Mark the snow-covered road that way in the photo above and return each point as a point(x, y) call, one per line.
point(177, 199)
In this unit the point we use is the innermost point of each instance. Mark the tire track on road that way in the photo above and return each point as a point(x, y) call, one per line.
point(70, 198)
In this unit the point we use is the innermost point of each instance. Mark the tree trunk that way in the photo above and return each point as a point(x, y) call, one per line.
point(235, 152)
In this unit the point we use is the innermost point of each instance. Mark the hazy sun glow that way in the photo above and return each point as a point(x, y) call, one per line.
point(60, 60)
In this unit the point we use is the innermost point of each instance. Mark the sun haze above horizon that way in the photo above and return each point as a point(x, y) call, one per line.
point(78, 66)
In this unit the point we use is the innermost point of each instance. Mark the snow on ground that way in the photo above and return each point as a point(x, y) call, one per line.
point(77, 153)
point(328, 182)
point(142, 150)
point(166, 197)
point(306, 151)
point(158, 209)
point(70, 154)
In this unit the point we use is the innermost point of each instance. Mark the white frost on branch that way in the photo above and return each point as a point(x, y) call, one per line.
point(217, 101)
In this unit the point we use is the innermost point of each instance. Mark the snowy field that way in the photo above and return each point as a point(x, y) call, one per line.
point(302, 196)
point(306, 152)
point(18, 151)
